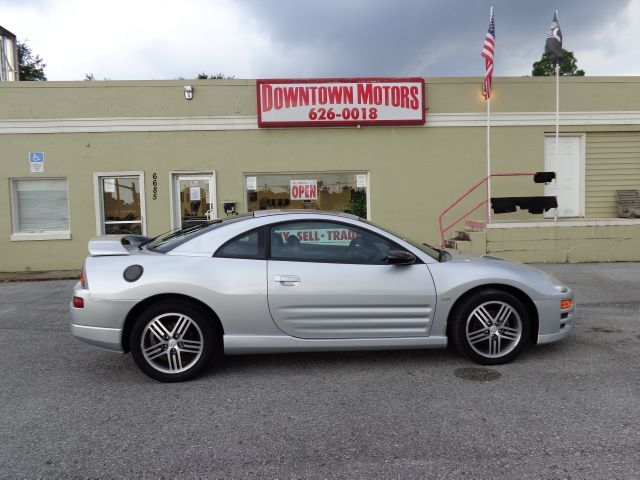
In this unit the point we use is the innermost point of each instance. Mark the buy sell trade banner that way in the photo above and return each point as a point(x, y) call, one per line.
point(319, 236)
point(327, 102)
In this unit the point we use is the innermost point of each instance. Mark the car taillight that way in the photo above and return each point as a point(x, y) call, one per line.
point(83, 278)
point(564, 304)
point(78, 302)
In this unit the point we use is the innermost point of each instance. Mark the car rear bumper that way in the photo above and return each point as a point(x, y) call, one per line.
point(105, 338)
point(100, 322)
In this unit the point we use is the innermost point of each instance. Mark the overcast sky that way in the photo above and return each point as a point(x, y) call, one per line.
point(168, 39)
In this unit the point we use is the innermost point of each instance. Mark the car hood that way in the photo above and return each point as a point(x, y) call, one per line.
point(457, 256)
point(526, 275)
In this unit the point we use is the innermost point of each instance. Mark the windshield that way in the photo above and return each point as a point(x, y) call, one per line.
point(171, 239)
point(433, 252)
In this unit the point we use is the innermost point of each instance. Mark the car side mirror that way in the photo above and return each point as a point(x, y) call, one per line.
point(400, 257)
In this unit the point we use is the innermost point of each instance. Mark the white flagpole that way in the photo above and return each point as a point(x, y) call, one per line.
point(489, 145)
point(555, 217)
point(489, 160)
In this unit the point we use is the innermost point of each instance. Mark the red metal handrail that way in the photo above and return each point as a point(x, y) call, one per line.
point(469, 212)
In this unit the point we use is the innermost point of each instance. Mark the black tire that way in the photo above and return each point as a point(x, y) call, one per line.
point(480, 338)
point(200, 341)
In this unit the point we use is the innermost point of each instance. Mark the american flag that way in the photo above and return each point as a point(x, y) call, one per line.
point(487, 53)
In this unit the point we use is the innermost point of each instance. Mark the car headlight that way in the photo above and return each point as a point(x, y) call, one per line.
point(558, 286)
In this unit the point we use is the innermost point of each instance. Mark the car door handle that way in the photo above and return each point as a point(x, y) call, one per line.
point(286, 278)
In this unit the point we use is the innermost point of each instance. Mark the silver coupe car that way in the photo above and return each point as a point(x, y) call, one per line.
point(294, 281)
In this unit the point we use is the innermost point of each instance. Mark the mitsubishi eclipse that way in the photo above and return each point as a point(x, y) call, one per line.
point(296, 281)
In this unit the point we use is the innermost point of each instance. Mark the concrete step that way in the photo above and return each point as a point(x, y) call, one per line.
point(462, 235)
point(462, 245)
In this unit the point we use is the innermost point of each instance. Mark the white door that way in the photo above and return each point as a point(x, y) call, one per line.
point(569, 174)
point(194, 197)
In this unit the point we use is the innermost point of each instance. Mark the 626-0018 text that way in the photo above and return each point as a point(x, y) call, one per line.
point(344, 114)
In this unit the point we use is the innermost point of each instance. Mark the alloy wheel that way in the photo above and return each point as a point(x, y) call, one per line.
point(493, 329)
point(172, 343)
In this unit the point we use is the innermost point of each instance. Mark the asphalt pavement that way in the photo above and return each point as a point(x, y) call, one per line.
point(565, 410)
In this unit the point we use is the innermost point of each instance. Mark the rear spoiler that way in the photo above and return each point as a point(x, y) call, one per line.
point(115, 244)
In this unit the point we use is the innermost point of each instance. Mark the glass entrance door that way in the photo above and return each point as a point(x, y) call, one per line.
point(194, 200)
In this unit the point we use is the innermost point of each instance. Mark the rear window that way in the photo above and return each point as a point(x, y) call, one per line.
point(170, 240)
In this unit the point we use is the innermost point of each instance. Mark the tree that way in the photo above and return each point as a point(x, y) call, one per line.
point(90, 77)
point(216, 76)
point(568, 66)
point(31, 66)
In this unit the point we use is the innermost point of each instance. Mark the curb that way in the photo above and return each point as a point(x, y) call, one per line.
point(39, 276)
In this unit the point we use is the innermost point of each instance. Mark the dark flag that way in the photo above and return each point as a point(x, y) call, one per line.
point(553, 47)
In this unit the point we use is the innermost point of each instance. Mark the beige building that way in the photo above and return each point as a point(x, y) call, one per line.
point(85, 158)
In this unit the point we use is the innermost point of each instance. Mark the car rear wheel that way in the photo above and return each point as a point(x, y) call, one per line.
point(490, 327)
point(173, 341)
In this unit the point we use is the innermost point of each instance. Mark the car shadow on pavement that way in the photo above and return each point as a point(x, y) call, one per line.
point(107, 368)
point(336, 361)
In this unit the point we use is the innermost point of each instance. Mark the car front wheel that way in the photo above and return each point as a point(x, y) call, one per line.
point(172, 341)
point(490, 327)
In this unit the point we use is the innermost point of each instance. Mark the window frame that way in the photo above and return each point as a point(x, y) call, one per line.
point(16, 234)
point(98, 196)
point(340, 262)
point(262, 245)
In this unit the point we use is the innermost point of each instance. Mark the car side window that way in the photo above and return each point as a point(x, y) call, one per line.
point(248, 245)
point(321, 241)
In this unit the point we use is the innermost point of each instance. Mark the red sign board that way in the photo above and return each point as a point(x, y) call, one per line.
point(303, 189)
point(343, 101)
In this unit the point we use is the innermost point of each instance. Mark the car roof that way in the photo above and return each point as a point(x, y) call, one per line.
point(266, 213)
point(230, 222)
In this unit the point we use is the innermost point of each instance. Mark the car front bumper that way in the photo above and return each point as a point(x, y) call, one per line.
point(555, 323)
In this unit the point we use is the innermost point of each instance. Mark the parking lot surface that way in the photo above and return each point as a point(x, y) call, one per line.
point(565, 410)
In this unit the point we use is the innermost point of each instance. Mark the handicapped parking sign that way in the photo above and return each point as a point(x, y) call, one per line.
point(36, 162)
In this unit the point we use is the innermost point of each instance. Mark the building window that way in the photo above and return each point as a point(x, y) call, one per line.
point(333, 191)
point(120, 203)
point(40, 209)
